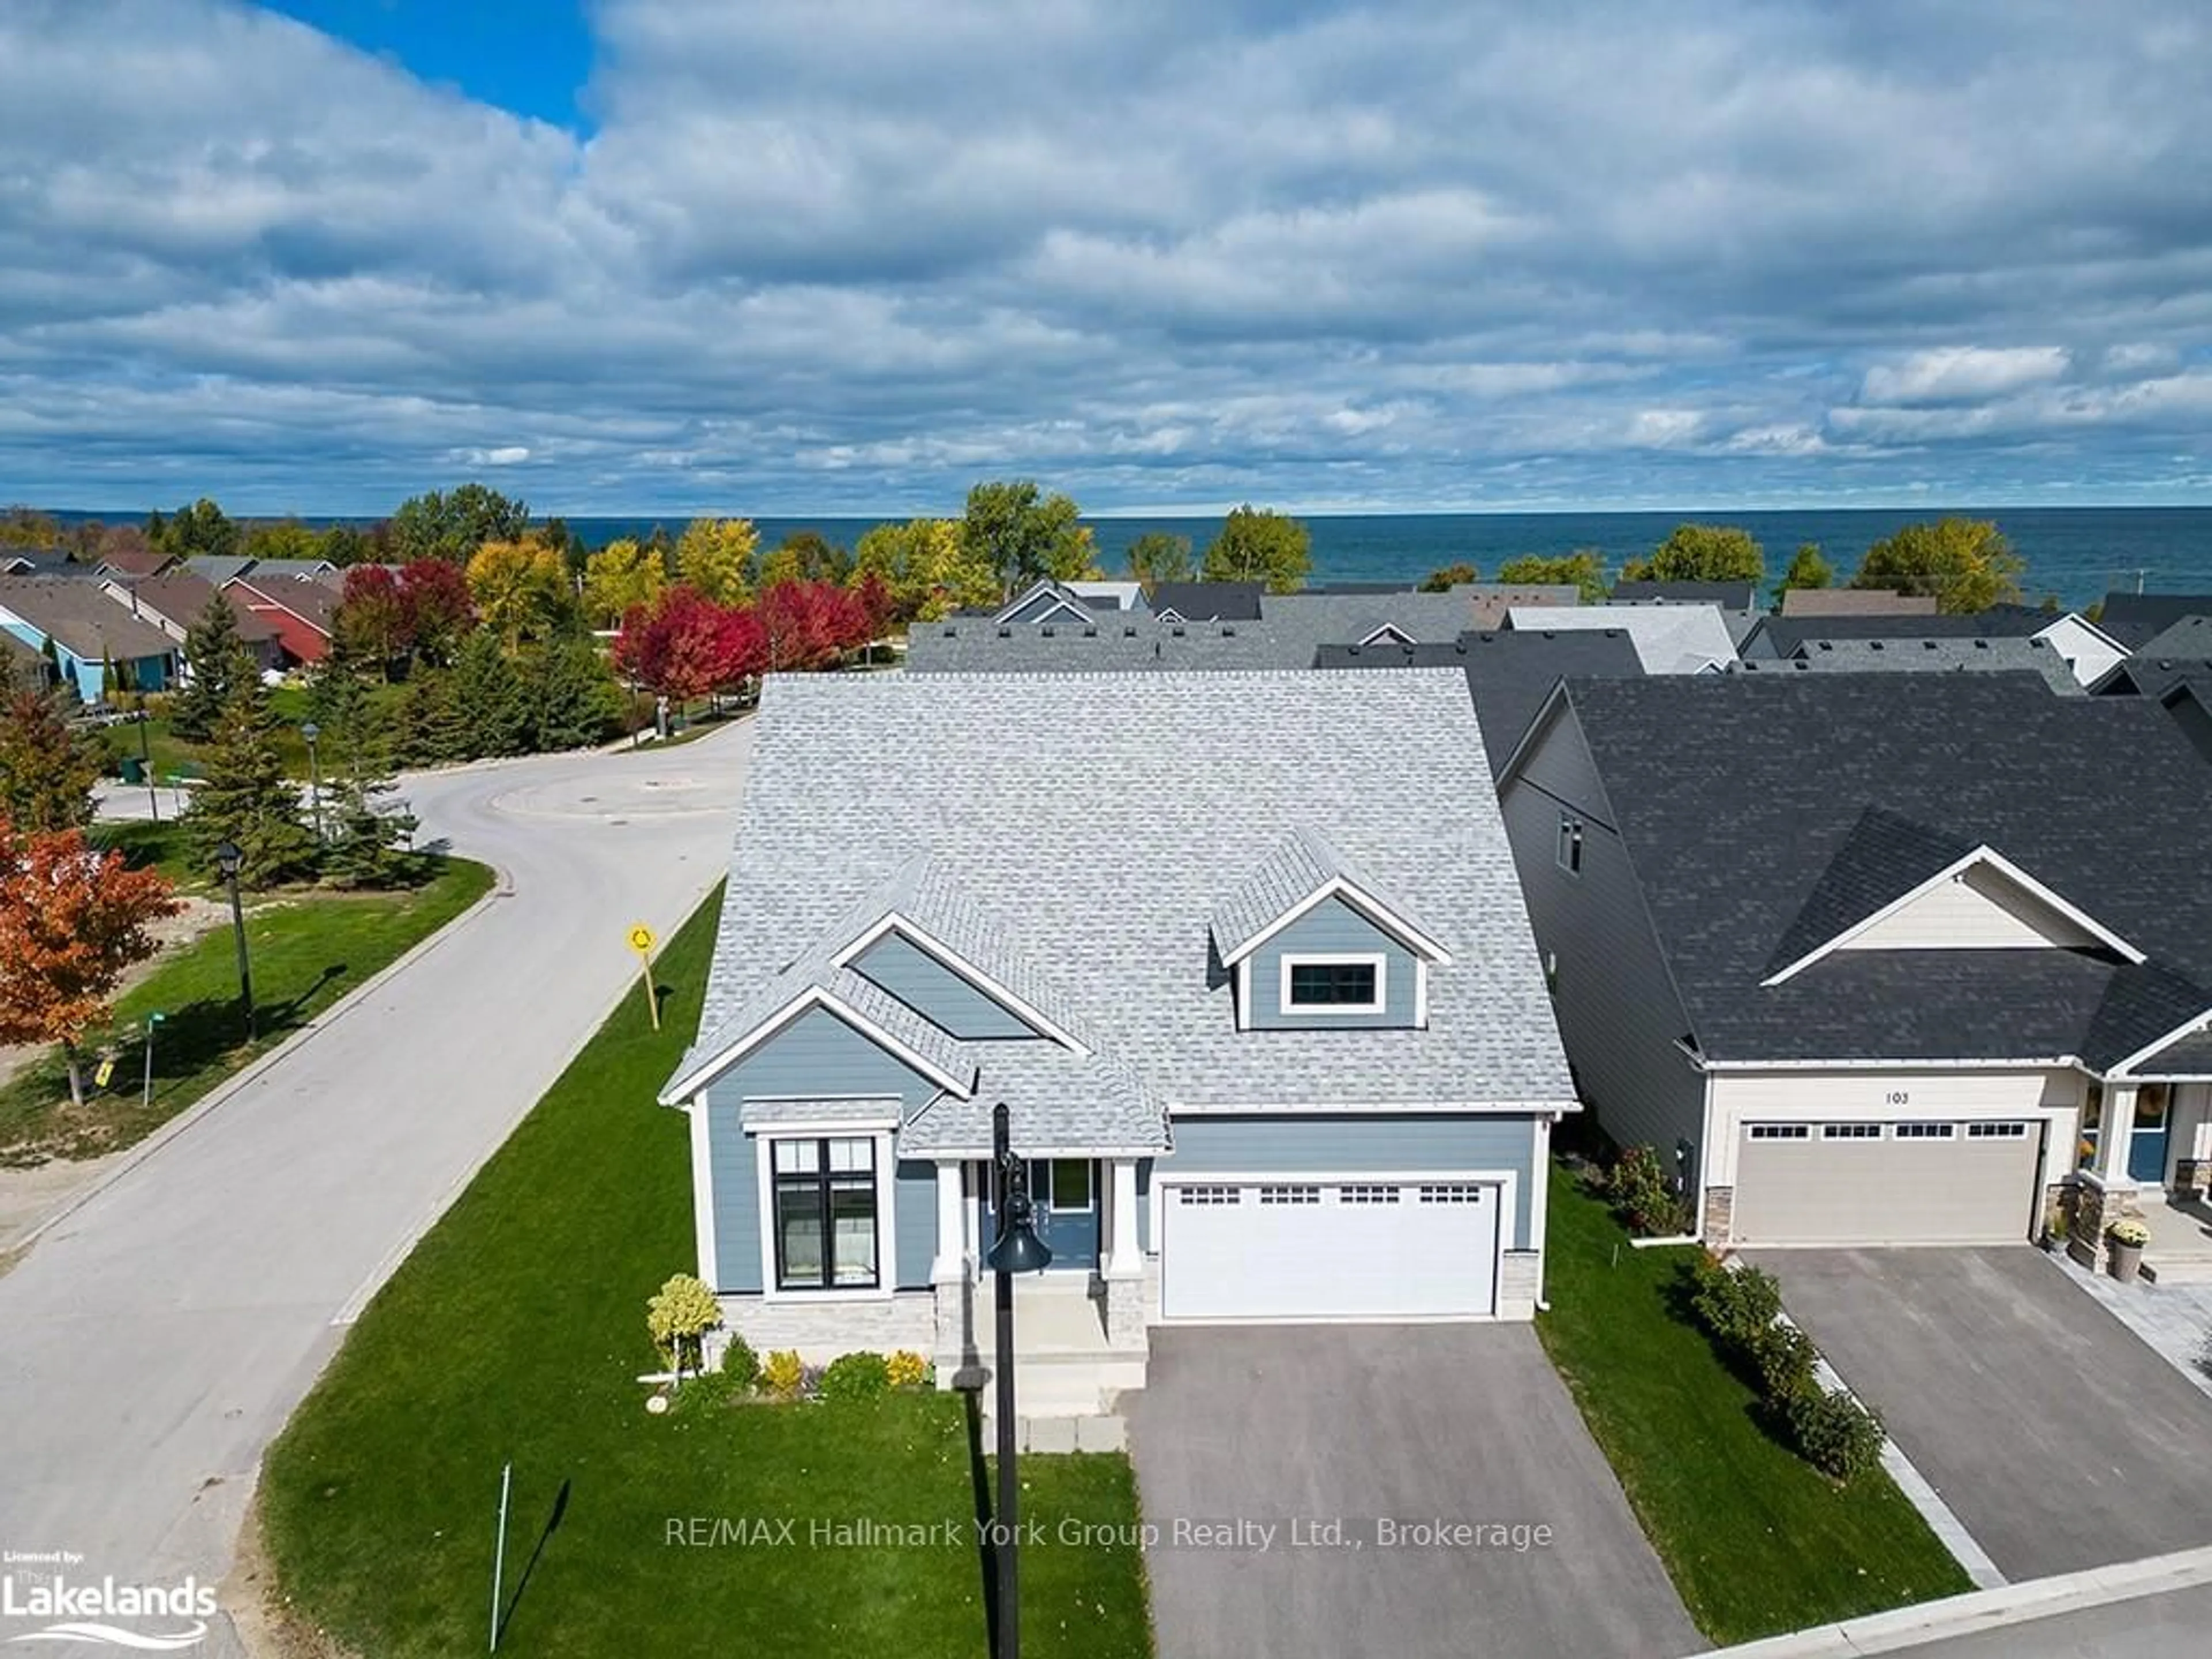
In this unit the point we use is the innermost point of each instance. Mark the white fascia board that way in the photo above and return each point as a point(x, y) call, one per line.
point(1523, 746)
point(2025, 1062)
point(1982, 856)
point(2195, 1023)
point(1006, 611)
point(812, 996)
point(953, 962)
point(2080, 621)
point(1391, 630)
point(1530, 1108)
point(1337, 887)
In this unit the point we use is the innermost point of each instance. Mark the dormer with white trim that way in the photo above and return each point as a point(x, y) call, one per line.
point(1311, 943)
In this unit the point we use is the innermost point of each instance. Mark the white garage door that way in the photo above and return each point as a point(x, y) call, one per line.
point(1294, 1247)
point(1929, 1182)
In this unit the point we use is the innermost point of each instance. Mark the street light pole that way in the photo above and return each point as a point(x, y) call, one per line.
point(153, 1023)
point(146, 760)
point(229, 860)
point(310, 731)
point(1018, 1250)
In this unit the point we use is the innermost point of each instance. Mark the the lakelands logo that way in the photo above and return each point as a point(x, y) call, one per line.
point(79, 1613)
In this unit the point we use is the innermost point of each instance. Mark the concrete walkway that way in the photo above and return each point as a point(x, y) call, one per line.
point(159, 1334)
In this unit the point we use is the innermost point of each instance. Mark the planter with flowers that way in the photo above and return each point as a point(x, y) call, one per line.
point(2126, 1239)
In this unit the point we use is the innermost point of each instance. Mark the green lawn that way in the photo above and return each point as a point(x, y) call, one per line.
point(516, 1331)
point(307, 950)
point(1756, 1540)
point(289, 703)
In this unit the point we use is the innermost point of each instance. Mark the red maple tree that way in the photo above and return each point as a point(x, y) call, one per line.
point(71, 920)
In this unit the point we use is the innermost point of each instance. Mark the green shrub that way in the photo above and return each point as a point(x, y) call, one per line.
point(740, 1363)
point(708, 1389)
point(1837, 1435)
point(781, 1375)
point(1784, 1356)
point(856, 1376)
point(907, 1369)
point(1642, 1194)
point(1736, 1305)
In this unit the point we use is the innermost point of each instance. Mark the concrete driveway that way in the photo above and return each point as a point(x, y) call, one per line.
point(1361, 1426)
point(157, 1337)
point(2060, 1440)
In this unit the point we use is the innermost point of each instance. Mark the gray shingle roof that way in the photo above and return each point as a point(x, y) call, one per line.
point(755, 1110)
point(1744, 802)
point(1059, 1104)
point(1786, 636)
point(89, 624)
point(1669, 639)
point(2135, 619)
point(1291, 871)
point(2012, 653)
point(1509, 673)
point(181, 597)
point(2190, 637)
point(1091, 820)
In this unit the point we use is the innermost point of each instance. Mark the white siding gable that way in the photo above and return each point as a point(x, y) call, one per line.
point(1979, 908)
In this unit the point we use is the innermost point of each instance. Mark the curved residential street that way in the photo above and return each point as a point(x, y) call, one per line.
point(153, 1340)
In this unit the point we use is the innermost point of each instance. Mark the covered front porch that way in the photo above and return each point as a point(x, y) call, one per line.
point(2145, 1152)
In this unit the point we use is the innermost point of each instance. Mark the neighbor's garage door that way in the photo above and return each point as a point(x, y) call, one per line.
point(1292, 1248)
point(1933, 1182)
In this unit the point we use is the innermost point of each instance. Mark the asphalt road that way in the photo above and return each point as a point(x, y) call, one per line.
point(2153, 1627)
point(156, 1340)
point(1325, 1434)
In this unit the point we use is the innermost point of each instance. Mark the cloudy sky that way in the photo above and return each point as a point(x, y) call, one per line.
point(849, 255)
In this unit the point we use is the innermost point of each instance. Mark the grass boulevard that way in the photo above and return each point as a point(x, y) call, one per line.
point(515, 1332)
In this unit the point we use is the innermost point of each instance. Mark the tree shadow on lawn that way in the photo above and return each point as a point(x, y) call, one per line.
point(1679, 1296)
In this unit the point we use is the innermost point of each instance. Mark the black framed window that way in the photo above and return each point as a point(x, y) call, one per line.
point(1333, 984)
point(826, 1233)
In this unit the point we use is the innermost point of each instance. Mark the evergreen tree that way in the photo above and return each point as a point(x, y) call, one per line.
point(574, 699)
point(220, 664)
point(488, 694)
point(47, 767)
point(370, 833)
point(248, 800)
point(431, 730)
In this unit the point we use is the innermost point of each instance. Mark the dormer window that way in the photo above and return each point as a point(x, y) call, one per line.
point(1341, 984)
point(1570, 852)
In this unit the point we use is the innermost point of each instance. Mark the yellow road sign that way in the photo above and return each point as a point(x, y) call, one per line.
point(107, 1071)
point(641, 938)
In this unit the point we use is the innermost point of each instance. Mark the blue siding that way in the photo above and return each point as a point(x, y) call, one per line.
point(1329, 927)
point(916, 1223)
point(816, 1054)
point(936, 993)
point(1260, 1145)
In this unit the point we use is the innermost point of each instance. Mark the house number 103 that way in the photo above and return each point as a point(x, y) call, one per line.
point(1898, 1097)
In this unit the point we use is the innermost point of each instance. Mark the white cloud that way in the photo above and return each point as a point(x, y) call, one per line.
point(830, 252)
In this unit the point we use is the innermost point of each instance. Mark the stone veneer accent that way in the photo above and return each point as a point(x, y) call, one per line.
point(1517, 1273)
point(2090, 1210)
point(821, 1331)
point(1719, 1219)
point(1127, 1327)
point(2193, 1176)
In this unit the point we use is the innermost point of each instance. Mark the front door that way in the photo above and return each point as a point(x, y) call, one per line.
point(2147, 1150)
point(1063, 1192)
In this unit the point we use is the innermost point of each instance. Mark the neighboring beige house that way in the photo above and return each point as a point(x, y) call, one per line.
point(1856, 602)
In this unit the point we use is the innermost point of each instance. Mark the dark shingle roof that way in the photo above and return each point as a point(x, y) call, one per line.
point(2190, 637)
point(2147, 676)
point(1729, 596)
point(1744, 804)
point(1785, 636)
point(88, 624)
point(182, 597)
point(2134, 619)
point(1209, 601)
point(1508, 674)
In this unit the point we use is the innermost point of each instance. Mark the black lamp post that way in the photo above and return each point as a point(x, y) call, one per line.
point(310, 731)
point(1018, 1250)
point(228, 859)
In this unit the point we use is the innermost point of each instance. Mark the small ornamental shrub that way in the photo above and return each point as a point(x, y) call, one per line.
point(2129, 1231)
point(708, 1388)
point(856, 1376)
point(1736, 1306)
point(1836, 1434)
point(907, 1369)
point(678, 1317)
point(781, 1375)
point(741, 1365)
point(1784, 1356)
point(1644, 1196)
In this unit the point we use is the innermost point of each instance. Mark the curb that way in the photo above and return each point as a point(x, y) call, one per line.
point(1907, 1628)
point(503, 887)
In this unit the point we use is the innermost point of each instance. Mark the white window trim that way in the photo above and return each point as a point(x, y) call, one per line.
point(702, 1193)
point(886, 1222)
point(1374, 959)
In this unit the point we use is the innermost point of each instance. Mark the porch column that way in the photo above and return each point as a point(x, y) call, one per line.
point(2115, 1137)
point(951, 1267)
point(1124, 1259)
